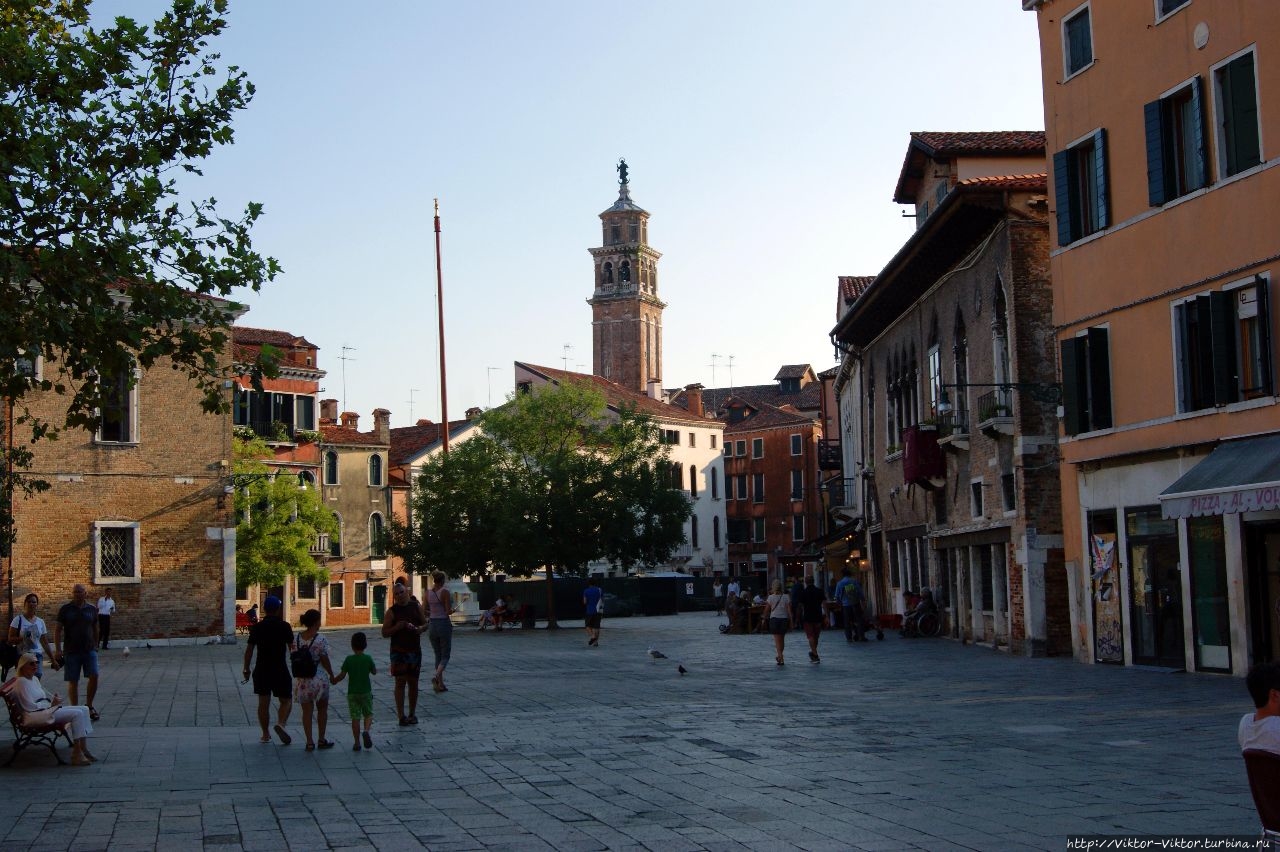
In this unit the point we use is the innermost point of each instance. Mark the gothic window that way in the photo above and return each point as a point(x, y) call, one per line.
point(608, 272)
point(624, 271)
point(960, 351)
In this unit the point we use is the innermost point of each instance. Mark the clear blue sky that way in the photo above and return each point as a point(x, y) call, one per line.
point(764, 138)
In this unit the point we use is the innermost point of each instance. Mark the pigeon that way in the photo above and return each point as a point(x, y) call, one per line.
point(655, 654)
point(125, 652)
point(148, 645)
point(680, 668)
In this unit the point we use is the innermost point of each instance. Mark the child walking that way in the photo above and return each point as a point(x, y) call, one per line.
point(359, 666)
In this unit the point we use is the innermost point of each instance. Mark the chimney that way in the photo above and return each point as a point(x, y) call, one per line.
point(350, 419)
point(693, 399)
point(655, 391)
point(329, 411)
point(382, 425)
point(423, 421)
point(473, 412)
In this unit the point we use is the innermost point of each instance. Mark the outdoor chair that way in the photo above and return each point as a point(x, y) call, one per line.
point(1263, 768)
point(28, 735)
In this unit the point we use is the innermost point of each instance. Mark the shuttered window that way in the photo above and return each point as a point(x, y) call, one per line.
point(1086, 382)
point(1080, 188)
point(1238, 135)
point(1223, 344)
point(1176, 160)
point(1077, 41)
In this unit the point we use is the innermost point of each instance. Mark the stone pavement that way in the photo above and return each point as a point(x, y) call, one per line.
point(542, 743)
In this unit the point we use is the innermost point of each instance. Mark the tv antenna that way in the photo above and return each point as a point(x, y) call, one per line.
point(568, 347)
point(730, 374)
point(344, 358)
point(714, 356)
point(412, 391)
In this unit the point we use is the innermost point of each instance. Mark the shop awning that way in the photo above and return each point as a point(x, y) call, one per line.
point(1238, 476)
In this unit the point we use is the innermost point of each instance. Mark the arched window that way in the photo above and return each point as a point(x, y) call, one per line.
point(693, 531)
point(693, 480)
point(335, 541)
point(715, 484)
point(624, 271)
point(608, 272)
point(377, 537)
point(331, 468)
point(715, 532)
point(960, 354)
point(375, 469)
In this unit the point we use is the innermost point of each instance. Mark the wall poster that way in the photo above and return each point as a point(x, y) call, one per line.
point(1107, 636)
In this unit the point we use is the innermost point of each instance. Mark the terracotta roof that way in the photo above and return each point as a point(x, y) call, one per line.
point(792, 371)
point(1028, 183)
point(853, 286)
point(257, 336)
point(830, 373)
point(616, 395)
point(808, 398)
point(408, 441)
point(950, 143)
point(339, 435)
point(766, 417)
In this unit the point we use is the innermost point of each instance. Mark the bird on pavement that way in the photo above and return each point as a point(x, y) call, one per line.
point(655, 654)
point(125, 652)
point(680, 668)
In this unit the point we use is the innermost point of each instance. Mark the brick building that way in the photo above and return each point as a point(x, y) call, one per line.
point(955, 428)
point(137, 506)
point(1163, 119)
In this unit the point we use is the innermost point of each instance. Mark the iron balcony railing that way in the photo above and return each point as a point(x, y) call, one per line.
point(829, 456)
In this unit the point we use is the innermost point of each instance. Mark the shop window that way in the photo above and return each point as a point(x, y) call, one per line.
point(1223, 347)
point(1086, 382)
point(1211, 619)
point(1175, 144)
point(1080, 188)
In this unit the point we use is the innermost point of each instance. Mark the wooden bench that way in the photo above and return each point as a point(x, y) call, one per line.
point(29, 735)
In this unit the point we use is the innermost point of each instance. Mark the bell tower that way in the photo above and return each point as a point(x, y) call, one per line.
point(626, 313)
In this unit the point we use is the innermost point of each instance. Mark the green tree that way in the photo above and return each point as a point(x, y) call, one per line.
point(278, 521)
point(103, 263)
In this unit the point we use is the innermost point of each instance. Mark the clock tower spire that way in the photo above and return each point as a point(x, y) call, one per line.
point(626, 313)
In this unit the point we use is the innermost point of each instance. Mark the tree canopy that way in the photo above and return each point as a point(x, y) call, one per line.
point(104, 264)
point(278, 520)
point(553, 481)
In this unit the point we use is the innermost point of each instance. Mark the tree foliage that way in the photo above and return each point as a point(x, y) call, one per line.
point(554, 481)
point(278, 520)
point(103, 264)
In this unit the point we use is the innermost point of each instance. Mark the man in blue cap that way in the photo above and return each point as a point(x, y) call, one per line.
point(272, 637)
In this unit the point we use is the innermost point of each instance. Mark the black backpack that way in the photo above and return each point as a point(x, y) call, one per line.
point(302, 663)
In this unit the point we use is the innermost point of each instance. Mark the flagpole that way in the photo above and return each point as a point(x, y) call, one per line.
point(444, 395)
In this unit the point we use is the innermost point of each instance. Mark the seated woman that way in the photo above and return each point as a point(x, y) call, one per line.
point(494, 614)
point(33, 699)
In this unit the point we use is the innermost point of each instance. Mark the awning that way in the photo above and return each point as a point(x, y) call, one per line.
point(1238, 476)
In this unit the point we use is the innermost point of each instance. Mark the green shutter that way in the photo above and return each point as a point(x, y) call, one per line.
point(1100, 177)
point(1264, 336)
point(1099, 379)
point(1240, 123)
point(1073, 422)
point(1062, 197)
point(1196, 140)
point(1222, 325)
point(1153, 122)
point(1183, 350)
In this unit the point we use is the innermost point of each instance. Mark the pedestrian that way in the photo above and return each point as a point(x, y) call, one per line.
point(717, 591)
point(312, 693)
point(848, 593)
point(440, 628)
point(75, 639)
point(106, 609)
point(28, 632)
point(403, 625)
point(39, 706)
point(593, 599)
point(811, 601)
point(272, 637)
point(735, 588)
point(1261, 728)
point(359, 666)
point(797, 589)
point(778, 606)
point(252, 614)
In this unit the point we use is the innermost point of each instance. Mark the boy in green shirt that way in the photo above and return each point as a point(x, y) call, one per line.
point(359, 666)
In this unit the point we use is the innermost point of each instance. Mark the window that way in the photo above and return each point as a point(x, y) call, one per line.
point(306, 587)
point(1223, 347)
point(740, 448)
point(361, 594)
point(935, 380)
point(1165, 8)
point(119, 409)
point(757, 448)
point(757, 529)
point(742, 486)
point(116, 545)
point(1080, 188)
point(693, 532)
point(1175, 144)
point(335, 541)
point(693, 480)
point(713, 442)
point(797, 485)
point(1086, 382)
point(797, 527)
point(377, 540)
point(757, 485)
point(671, 436)
point(1077, 41)
point(1236, 94)
point(728, 448)
point(375, 469)
point(335, 595)
point(739, 531)
point(30, 365)
point(797, 445)
point(693, 439)
point(1008, 493)
point(331, 468)
point(305, 413)
point(715, 532)
point(715, 484)
point(975, 498)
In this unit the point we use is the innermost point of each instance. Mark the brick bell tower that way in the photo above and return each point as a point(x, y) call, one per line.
point(626, 313)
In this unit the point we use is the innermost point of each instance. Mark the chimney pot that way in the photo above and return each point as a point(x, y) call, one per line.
point(693, 399)
point(350, 420)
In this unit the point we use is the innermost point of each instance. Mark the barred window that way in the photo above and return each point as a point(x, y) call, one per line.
point(115, 552)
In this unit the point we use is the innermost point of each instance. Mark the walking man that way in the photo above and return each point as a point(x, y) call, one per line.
point(75, 643)
point(403, 625)
point(592, 599)
point(811, 600)
point(273, 638)
point(853, 603)
point(106, 609)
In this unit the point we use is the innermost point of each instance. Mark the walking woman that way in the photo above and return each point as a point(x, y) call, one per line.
point(313, 692)
point(439, 627)
point(778, 605)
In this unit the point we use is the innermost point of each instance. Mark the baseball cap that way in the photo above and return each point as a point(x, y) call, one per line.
point(271, 604)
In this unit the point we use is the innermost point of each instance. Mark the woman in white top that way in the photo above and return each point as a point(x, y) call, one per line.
point(28, 632)
point(31, 696)
point(778, 605)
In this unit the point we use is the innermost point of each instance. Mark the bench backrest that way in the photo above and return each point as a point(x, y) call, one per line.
point(11, 702)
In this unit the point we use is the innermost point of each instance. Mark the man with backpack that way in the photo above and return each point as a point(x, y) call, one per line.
point(854, 605)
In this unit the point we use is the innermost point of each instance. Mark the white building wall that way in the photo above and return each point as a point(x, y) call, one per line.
point(709, 503)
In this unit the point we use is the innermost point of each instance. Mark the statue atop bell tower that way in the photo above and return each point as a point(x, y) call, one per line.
point(626, 313)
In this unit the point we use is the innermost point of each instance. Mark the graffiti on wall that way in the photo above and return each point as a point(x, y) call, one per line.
point(1108, 639)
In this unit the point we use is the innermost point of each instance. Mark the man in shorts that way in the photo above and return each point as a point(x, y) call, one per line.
point(593, 600)
point(403, 625)
point(75, 643)
point(272, 636)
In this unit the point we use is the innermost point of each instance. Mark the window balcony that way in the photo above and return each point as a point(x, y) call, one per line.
point(995, 412)
point(829, 455)
point(953, 430)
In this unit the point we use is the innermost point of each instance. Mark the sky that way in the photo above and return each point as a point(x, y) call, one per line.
point(764, 138)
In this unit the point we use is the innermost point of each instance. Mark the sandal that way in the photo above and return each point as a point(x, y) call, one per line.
point(311, 746)
point(265, 739)
point(285, 739)
point(93, 714)
point(324, 744)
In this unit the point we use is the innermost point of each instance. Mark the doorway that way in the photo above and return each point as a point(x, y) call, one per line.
point(1155, 589)
point(1262, 561)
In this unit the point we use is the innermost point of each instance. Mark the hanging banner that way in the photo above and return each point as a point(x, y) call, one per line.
point(1108, 642)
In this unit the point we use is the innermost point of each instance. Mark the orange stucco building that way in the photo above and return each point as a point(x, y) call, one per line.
point(1161, 120)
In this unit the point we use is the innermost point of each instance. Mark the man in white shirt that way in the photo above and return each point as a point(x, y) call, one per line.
point(734, 587)
point(1261, 729)
point(106, 609)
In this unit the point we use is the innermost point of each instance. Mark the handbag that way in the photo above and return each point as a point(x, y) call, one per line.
point(301, 663)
